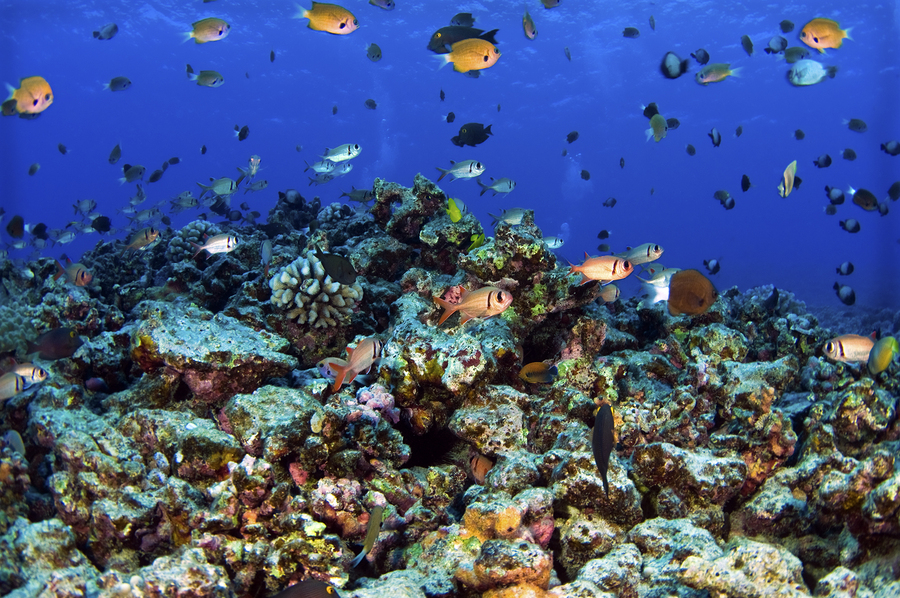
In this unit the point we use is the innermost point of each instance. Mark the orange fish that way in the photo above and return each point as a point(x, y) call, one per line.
point(360, 360)
point(849, 348)
point(482, 303)
point(603, 268)
point(33, 97)
point(480, 465)
point(330, 18)
point(76, 274)
point(538, 373)
point(824, 33)
point(471, 54)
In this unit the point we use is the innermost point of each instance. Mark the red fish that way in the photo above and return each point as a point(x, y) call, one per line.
point(359, 360)
point(603, 268)
point(482, 303)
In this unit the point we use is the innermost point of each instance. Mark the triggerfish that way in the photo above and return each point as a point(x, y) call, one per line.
point(481, 303)
point(849, 348)
point(602, 442)
point(604, 268)
point(538, 373)
point(371, 534)
point(824, 33)
point(361, 359)
point(882, 354)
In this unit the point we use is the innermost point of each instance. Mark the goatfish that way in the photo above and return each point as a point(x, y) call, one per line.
point(602, 441)
point(360, 360)
point(11, 384)
point(329, 18)
point(787, 179)
point(223, 243)
point(642, 254)
point(882, 354)
point(142, 239)
point(481, 303)
point(76, 274)
point(374, 528)
point(849, 348)
point(538, 373)
point(604, 268)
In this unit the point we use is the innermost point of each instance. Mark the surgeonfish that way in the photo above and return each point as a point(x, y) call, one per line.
point(690, 293)
point(604, 268)
point(787, 180)
point(339, 268)
point(223, 243)
point(538, 373)
point(309, 588)
point(882, 354)
point(456, 209)
point(823, 33)
point(372, 531)
point(330, 18)
point(849, 348)
point(602, 442)
point(208, 30)
point(55, 344)
point(443, 39)
point(361, 359)
point(472, 54)
point(480, 303)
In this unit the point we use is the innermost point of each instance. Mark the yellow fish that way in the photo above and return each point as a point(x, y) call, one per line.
point(787, 180)
point(528, 26)
point(471, 55)
point(658, 128)
point(713, 73)
point(882, 354)
point(33, 97)
point(477, 241)
point(456, 209)
point(824, 33)
point(208, 30)
point(538, 372)
point(330, 18)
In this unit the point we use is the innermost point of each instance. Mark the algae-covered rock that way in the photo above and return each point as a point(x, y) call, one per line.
point(619, 571)
point(583, 538)
point(417, 206)
point(216, 355)
point(665, 543)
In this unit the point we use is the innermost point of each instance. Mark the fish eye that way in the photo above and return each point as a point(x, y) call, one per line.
point(355, 22)
point(829, 347)
point(46, 96)
point(437, 35)
point(626, 264)
point(72, 334)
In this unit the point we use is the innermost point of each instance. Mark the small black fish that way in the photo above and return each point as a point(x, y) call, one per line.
point(894, 191)
point(690, 149)
point(101, 224)
point(155, 176)
point(442, 95)
point(701, 56)
point(203, 149)
point(672, 123)
point(463, 19)
point(272, 56)
point(831, 210)
point(621, 162)
point(845, 293)
point(603, 247)
point(165, 166)
point(672, 66)
point(786, 26)
point(772, 301)
point(604, 234)
point(336, 266)
point(799, 134)
point(370, 104)
point(40, 231)
point(848, 154)
point(747, 44)
point(845, 269)
point(650, 110)
point(241, 132)
point(334, 109)
point(585, 175)
point(739, 130)
point(62, 149)
point(450, 117)
point(568, 53)
point(16, 227)
point(610, 202)
point(472, 134)
point(745, 183)
point(602, 442)
point(850, 225)
point(715, 136)
point(823, 161)
point(571, 137)
point(174, 161)
point(631, 32)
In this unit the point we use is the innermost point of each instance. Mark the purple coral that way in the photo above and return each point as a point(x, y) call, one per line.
point(372, 401)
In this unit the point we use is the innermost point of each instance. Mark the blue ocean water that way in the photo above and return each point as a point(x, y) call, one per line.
point(532, 98)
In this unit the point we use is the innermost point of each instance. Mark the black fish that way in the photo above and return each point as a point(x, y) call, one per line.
point(604, 234)
point(602, 442)
point(165, 166)
point(62, 149)
point(672, 66)
point(772, 301)
point(336, 266)
point(621, 162)
point(715, 136)
point(442, 95)
point(672, 123)
point(572, 137)
point(370, 104)
point(799, 134)
point(203, 149)
point(16, 227)
point(450, 117)
point(738, 131)
point(631, 32)
point(174, 161)
point(585, 175)
point(603, 247)
point(56, 344)
point(334, 109)
point(797, 181)
point(745, 183)
point(463, 19)
point(442, 39)
point(786, 26)
point(845, 293)
point(101, 224)
point(308, 588)
point(241, 132)
point(690, 149)
point(610, 202)
point(651, 110)
point(155, 176)
point(823, 161)
point(701, 56)
point(472, 134)
point(272, 56)
point(40, 231)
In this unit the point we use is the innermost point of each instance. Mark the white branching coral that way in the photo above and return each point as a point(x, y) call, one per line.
point(312, 297)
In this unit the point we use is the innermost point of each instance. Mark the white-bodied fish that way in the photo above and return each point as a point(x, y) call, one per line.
point(322, 166)
point(642, 254)
point(553, 242)
point(810, 72)
point(467, 169)
point(348, 151)
point(512, 217)
point(223, 243)
point(501, 185)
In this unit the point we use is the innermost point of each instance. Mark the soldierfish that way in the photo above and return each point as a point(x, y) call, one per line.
point(603, 268)
point(360, 360)
point(642, 254)
point(76, 274)
point(481, 303)
point(223, 243)
point(849, 348)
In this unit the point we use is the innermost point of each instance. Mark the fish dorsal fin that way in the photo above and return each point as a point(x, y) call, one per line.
point(350, 353)
point(586, 256)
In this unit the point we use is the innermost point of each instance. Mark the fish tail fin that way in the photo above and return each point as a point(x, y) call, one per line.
point(649, 133)
point(444, 59)
point(10, 90)
point(736, 72)
point(342, 374)
point(553, 371)
point(187, 37)
point(489, 36)
point(302, 13)
point(443, 172)
point(487, 130)
point(449, 309)
point(59, 270)
point(198, 248)
point(847, 33)
point(496, 219)
point(105, 86)
point(122, 180)
point(358, 558)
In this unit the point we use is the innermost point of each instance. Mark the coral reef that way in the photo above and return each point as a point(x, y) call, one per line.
point(192, 443)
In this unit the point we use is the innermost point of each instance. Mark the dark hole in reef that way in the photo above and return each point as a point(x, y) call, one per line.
point(648, 503)
point(555, 548)
point(432, 448)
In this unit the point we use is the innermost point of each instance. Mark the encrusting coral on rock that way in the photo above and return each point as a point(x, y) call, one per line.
point(195, 444)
